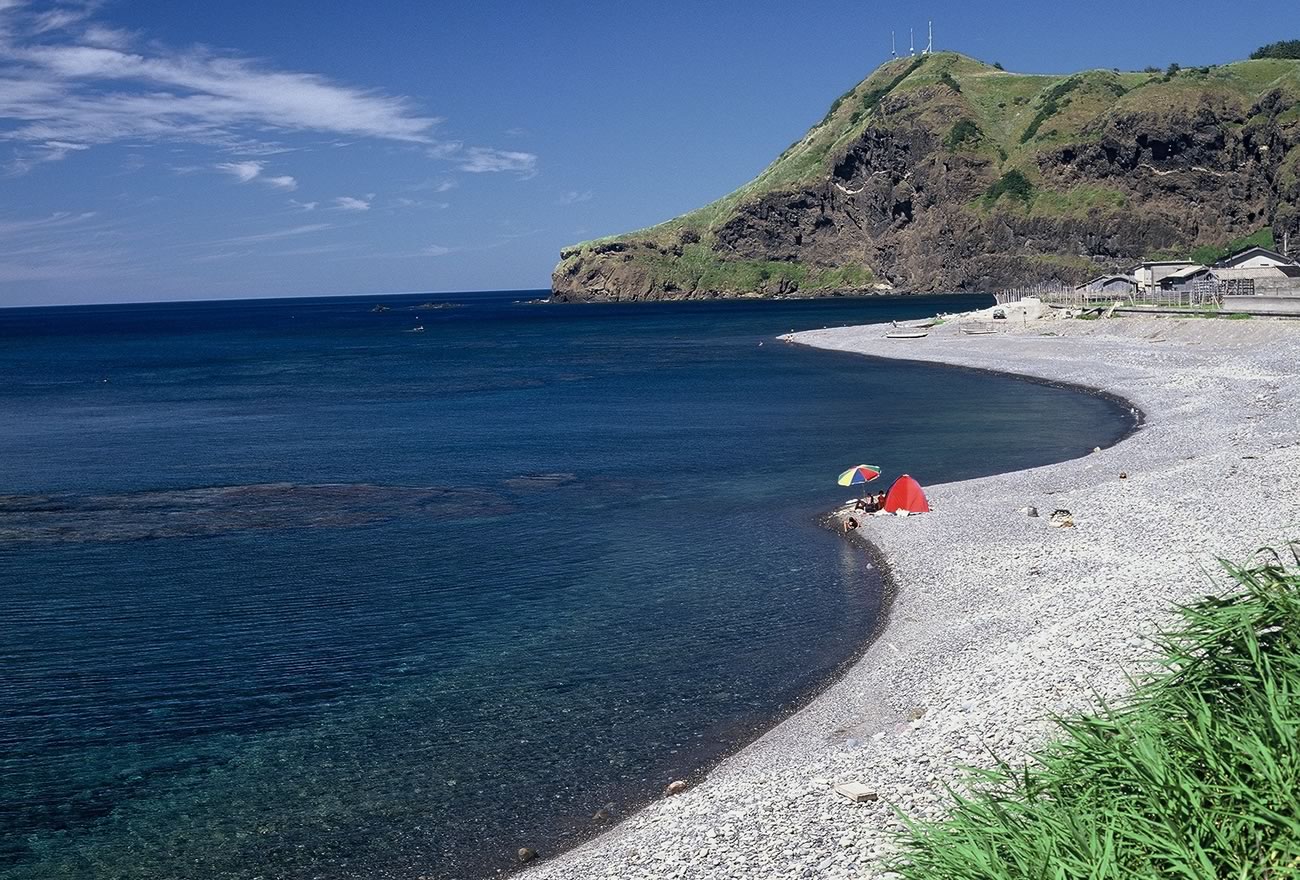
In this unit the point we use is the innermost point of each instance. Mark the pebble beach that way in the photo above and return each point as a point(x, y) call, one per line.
point(1001, 619)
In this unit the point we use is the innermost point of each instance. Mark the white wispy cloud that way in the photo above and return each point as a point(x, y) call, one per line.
point(241, 171)
point(10, 227)
point(419, 204)
point(66, 78)
point(193, 94)
point(69, 82)
point(303, 206)
point(107, 37)
point(250, 170)
point(58, 18)
point(27, 157)
point(573, 197)
point(277, 234)
point(350, 203)
point(479, 160)
point(445, 150)
point(435, 185)
point(317, 250)
point(436, 250)
point(61, 246)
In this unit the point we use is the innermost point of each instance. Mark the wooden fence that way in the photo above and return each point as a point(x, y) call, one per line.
point(1198, 294)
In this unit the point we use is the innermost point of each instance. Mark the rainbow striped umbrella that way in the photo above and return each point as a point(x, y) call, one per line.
point(863, 473)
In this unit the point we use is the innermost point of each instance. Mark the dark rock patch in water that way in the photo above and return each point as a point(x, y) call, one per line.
point(216, 510)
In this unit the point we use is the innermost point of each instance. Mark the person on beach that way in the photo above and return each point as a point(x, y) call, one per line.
point(863, 504)
point(850, 524)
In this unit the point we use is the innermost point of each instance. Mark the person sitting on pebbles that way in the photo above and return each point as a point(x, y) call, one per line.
point(850, 524)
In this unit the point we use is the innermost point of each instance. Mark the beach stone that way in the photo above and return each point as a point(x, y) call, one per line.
point(677, 786)
point(525, 855)
point(1062, 519)
point(856, 792)
point(995, 629)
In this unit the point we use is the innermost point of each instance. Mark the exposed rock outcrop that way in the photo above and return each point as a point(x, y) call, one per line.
point(951, 175)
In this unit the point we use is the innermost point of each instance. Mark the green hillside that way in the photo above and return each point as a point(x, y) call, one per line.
point(1010, 127)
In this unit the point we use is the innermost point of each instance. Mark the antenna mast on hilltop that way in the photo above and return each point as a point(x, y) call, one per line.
point(929, 46)
point(893, 53)
point(911, 43)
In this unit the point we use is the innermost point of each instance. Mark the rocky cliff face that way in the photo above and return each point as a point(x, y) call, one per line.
point(944, 174)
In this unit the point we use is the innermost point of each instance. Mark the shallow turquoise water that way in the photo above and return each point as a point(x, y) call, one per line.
point(293, 592)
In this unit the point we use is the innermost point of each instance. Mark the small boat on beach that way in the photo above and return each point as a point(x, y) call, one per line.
point(921, 324)
point(907, 334)
point(978, 329)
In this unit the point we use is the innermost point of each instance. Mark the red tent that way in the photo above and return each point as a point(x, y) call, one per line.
point(906, 494)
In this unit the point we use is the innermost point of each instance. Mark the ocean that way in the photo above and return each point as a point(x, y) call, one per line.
point(294, 590)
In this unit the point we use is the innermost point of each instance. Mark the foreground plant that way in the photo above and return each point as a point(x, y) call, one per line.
point(1197, 776)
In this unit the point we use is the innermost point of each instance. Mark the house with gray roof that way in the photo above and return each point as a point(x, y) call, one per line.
point(1256, 264)
point(1108, 286)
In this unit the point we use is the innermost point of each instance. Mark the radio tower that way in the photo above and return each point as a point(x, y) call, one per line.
point(893, 53)
point(911, 43)
point(929, 46)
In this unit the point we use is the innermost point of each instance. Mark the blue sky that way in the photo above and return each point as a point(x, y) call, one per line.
point(171, 150)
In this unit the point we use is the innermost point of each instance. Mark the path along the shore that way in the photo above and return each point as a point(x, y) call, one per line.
point(1002, 619)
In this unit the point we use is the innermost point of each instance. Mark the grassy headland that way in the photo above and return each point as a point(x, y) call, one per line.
point(977, 149)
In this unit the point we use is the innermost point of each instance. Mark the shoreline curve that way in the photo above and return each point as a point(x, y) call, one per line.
point(1004, 621)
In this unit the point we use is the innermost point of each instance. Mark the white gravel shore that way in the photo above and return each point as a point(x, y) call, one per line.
point(1001, 619)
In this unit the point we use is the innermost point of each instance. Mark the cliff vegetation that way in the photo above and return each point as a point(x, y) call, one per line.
point(942, 173)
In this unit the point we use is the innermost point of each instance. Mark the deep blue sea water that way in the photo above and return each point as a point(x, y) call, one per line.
point(290, 591)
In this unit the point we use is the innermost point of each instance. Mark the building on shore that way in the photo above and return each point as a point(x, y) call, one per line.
point(1107, 286)
point(1184, 279)
point(1149, 273)
point(1256, 263)
point(1258, 271)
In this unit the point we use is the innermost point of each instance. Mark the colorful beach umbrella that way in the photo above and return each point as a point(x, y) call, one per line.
point(863, 473)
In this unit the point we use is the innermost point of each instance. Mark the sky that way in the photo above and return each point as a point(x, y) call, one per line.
point(164, 150)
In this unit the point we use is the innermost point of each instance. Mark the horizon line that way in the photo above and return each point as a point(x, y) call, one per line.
point(235, 299)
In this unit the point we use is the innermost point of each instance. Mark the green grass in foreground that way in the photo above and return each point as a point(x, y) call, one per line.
point(1197, 776)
